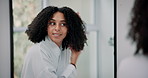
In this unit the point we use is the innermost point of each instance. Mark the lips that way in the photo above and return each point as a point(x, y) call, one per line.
point(56, 34)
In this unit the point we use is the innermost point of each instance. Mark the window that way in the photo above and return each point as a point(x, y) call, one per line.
point(23, 13)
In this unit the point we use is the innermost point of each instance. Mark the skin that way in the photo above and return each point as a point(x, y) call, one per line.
point(57, 31)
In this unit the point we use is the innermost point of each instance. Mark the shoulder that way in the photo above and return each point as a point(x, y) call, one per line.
point(135, 59)
point(134, 63)
point(128, 62)
point(133, 67)
point(34, 47)
point(33, 50)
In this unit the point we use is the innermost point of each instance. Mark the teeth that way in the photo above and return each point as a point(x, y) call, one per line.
point(56, 34)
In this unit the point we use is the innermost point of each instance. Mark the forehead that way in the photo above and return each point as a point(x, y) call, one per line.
point(57, 15)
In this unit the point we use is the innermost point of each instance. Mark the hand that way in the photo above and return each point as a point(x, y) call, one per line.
point(74, 56)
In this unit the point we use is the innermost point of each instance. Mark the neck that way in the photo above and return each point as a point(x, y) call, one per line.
point(58, 44)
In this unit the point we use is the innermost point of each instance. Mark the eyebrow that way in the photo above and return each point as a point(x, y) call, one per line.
point(55, 20)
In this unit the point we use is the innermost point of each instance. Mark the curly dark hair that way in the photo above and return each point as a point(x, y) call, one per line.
point(76, 36)
point(139, 26)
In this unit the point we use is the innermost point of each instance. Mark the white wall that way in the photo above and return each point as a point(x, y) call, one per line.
point(106, 30)
point(4, 39)
point(84, 7)
point(124, 46)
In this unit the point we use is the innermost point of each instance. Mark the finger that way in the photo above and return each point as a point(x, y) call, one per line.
point(78, 14)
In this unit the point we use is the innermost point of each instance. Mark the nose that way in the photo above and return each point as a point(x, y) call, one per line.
point(57, 28)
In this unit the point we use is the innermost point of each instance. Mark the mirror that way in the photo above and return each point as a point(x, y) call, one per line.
point(97, 59)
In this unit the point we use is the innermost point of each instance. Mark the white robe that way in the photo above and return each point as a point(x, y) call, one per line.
point(134, 67)
point(47, 60)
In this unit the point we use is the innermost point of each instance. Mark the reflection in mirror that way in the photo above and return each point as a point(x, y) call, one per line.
point(96, 60)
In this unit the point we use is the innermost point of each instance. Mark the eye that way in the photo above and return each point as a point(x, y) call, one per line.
point(51, 23)
point(63, 24)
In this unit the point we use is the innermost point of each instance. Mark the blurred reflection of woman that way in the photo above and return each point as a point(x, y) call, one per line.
point(136, 66)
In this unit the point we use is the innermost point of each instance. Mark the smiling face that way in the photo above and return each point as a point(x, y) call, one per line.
point(57, 29)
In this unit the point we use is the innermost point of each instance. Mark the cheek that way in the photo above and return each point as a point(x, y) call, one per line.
point(65, 31)
point(49, 30)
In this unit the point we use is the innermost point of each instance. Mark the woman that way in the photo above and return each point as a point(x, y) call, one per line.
point(136, 66)
point(59, 34)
